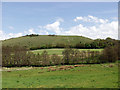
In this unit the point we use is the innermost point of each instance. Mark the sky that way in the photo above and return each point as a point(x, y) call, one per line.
point(90, 19)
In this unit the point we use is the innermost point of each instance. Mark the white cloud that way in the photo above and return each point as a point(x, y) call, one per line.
point(40, 27)
point(60, 20)
point(54, 27)
point(11, 27)
point(90, 18)
point(30, 31)
point(1, 35)
point(4, 36)
point(103, 29)
point(114, 18)
point(1, 32)
point(99, 31)
point(11, 35)
point(43, 32)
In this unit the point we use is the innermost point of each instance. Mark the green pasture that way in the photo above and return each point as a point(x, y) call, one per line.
point(59, 51)
point(94, 76)
point(42, 40)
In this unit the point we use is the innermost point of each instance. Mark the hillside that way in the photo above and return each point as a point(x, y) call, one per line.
point(42, 40)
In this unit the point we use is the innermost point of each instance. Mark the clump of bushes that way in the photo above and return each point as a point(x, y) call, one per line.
point(110, 54)
point(33, 35)
point(56, 60)
point(75, 56)
point(52, 35)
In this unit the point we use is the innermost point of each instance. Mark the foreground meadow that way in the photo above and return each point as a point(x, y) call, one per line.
point(83, 76)
point(59, 51)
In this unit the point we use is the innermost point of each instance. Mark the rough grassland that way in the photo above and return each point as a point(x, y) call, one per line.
point(45, 39)
point(59, 51)
point(94, 76)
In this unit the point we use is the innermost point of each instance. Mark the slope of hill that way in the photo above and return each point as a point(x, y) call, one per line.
point(41, 40)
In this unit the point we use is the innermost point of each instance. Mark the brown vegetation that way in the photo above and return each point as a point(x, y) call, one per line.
point(20, 56)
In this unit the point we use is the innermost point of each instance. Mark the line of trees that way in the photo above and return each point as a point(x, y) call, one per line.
point(98, 43)
point(20, 56)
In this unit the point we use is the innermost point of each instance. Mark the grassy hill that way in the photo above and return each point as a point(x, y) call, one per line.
point(40, 40)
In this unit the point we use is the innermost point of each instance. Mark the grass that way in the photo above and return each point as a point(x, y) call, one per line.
point(59, 51)
point(45, 39)
point(95, 76)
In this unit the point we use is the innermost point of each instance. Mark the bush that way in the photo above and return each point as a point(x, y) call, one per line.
point(55, 60)
point(80, 45)
point(32, 35)
point(110, 54)
point(60, 45)
point(20, 56)
point(76, 57)
point(67, 55)
point(45, 58)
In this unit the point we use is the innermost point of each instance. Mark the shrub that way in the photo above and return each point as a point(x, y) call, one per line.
point(60, 45)
point(76, 57)
point(32, 35)
point(55, 60)
point(80, 45)
point(110, 54)
point(67, 55)
point(45, 58)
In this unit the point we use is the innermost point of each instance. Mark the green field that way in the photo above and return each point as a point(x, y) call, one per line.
point(59, 51)
point(94, 76)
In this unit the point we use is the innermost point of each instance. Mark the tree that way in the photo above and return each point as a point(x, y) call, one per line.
point(67, 55)
point(87, 45)
point(45, 58)
point(94, 45)
point(80, 45)
point(110, 54)
point(55, 60)
point(76, 57)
